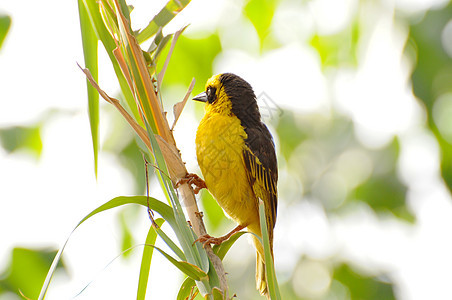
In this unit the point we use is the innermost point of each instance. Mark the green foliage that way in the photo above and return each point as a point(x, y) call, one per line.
point(131, 158)
point(323, 151)
point(146, 260)
point(222, 249)
point(5, 24)
point(384, 191)
point(164, 210)
point(187, 268)
point(272, 283)
point(89, 41)
point(338, 49)
point(22, 138)
point(432, 75)
point(260, 13)
point(186, 289)
point(127, 239)
point(363, 287)
point(196, 59)
point(27, 270)
point(171, 9)
point(137, 72)
point(211, 208)
point(290, 133)
point(312, 146)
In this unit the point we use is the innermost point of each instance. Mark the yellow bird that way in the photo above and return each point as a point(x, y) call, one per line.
point(236, 154)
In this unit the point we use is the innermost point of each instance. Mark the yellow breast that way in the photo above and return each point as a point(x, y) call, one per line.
point(220, 140)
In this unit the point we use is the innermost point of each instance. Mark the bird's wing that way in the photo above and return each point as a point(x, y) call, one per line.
point(260, 161)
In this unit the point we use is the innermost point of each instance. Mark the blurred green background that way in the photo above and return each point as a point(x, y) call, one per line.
point(358, 97)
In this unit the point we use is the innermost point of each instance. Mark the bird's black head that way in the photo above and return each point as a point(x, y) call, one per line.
point(229, 93)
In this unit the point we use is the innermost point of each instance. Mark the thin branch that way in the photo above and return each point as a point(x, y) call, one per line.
point(179, 106)
point(150, 212)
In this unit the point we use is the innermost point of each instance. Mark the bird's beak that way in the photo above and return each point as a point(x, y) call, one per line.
point(201, 97)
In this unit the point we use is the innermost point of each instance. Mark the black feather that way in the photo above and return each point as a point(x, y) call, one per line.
point(260, 156)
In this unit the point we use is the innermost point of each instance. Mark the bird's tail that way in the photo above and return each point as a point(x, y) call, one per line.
point(261, 277)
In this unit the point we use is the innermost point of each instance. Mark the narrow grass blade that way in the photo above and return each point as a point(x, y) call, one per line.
point(104, 35)
point(187, 289)
point(185, 235)
point(167, 186)
point(171, 244)
point(223, 248)
point(171, 9)
point(164, 210)
point(187, 268)
point(115, 102)
point(89, 41)
point(146, 261)
point(272, 283)
point(162, 44)
point(143, 86)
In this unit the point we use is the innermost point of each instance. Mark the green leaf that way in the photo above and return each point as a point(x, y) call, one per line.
point(195, 254)
point(20, 137)
point(260, 13)
point(223, 248)
point(217, 294)
point(186, 289)
point(338, 49)
point(102, 33)
point(184, 233)
point(131, 158)
point(214, 215)
point(162, 44)
point(363, 287)
point(432, 74)
point(126, 10)
point(171, 244)
point(5, 24)
point(146, 261)
point(89, 41)
point(126, 235)
point(26, 271)
point(187, 268)
point(290, 133)
point(164, 210)
point(171, 9)
point(272, 283)
point(384, 191)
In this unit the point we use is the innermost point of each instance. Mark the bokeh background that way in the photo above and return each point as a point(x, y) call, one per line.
point(358, 97)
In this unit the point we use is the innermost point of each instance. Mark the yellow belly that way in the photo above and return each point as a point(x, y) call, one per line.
point(220, 140)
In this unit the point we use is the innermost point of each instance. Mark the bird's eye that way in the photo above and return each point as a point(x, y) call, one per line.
point(211, 94)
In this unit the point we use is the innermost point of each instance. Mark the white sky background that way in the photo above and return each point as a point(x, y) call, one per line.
point(41, 201)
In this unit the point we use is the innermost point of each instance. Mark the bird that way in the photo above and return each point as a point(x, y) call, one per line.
point(236, 155)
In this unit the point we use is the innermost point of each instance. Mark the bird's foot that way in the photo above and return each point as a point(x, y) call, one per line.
point(207, 239)
point(192, 179)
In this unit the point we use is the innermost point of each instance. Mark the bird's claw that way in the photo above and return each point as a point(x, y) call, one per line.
point(207, 240)
point(192, 179)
